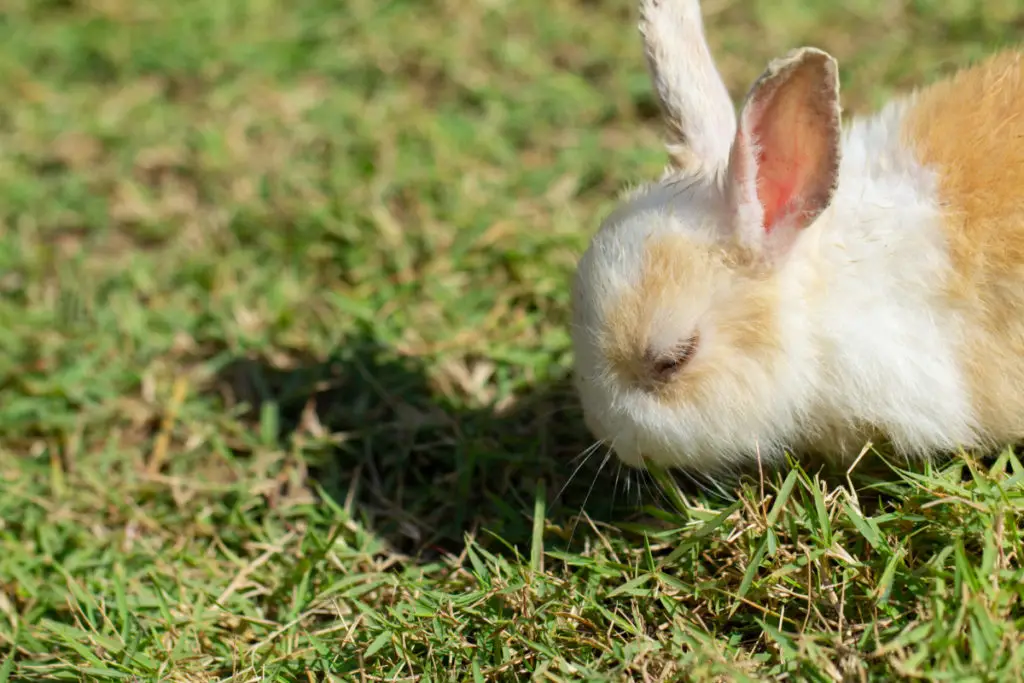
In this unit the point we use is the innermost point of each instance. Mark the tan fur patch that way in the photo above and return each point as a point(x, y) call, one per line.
point(672, 267)
point(970, 129)
point(678, 273)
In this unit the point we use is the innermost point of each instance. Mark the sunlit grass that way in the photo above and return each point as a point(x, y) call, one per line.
point(283, 301)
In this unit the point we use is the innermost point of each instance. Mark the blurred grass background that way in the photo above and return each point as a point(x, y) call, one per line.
point(283, 306)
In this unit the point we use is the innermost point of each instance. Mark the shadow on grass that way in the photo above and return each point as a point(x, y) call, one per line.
point(420, 471)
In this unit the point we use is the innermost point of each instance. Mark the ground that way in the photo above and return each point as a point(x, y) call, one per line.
point(283, 306)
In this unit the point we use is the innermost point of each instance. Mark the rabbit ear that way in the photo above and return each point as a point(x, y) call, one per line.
point(697, 108)
point(784, 165)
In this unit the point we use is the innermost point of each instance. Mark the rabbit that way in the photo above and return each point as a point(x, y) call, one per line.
point(796, 284)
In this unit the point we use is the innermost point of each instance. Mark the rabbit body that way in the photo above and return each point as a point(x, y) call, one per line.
point(793, 284)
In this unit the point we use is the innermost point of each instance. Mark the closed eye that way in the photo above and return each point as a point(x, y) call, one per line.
point(666, 365)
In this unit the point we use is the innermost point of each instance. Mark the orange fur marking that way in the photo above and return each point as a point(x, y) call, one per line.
point(970, 130)
point(675, 271)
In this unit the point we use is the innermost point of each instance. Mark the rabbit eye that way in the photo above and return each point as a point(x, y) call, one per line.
point(664, 366)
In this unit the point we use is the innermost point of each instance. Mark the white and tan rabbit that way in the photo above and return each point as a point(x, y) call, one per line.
point(789, 285)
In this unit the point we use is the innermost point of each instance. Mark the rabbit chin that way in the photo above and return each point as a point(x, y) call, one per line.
point(727, 432)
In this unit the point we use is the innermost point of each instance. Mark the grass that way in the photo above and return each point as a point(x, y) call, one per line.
point(283, 305)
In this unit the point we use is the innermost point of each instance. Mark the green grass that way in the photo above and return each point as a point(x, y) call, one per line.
point(283, 305)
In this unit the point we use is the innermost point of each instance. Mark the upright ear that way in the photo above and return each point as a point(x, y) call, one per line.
point(700, 115)
point(784, 165)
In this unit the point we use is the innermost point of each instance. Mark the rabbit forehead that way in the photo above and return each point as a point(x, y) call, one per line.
point(674, 276)
point(969, 131)
point(686, 286)
point(617, 256)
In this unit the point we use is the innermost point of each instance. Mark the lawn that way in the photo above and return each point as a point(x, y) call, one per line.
point(284, 291)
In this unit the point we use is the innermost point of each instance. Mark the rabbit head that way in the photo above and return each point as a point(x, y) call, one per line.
point(688, 344)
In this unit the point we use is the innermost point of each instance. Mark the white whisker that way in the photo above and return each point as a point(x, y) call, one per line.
point(604, 462)
point(589, 451)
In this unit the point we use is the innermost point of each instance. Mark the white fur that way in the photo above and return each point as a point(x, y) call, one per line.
point(866, 338)
point(884, 338)
point(686, 79)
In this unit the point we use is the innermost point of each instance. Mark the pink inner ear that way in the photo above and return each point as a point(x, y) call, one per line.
point(781, 173)
point(784, 165)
